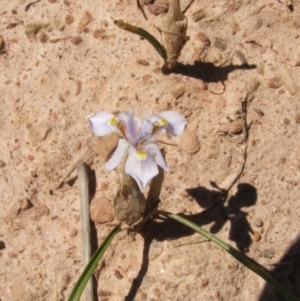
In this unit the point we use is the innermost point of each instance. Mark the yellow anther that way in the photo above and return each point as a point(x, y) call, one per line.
point(141, 155)
point(114, 121)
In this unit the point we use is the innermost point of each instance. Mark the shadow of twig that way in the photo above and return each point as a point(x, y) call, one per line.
point(206, 71)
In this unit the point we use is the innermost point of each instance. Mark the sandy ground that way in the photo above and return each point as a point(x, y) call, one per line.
point(62, 60)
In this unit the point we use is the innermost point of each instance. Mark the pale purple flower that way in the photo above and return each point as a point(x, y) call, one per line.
point(143, 152)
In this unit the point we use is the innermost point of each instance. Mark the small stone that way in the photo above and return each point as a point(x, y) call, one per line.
point(2, 44)
point(76, 40)
point(258, 222)
point(258, 24)
point(73, 232)
point(274, 83)
point(2, 245)
point(2, 164)
point(106, 145)
point(286, 121)
point(297, 118)
point(38, 133)
point(198, 15)
point(220, 44)
point(236, 127)
point(189, 142)
point(216, 294)
point(157, 9)
point(19, 207)
point(103, 293)
point(143, 62)
point(43, 38)
point(103, 186)
point(268, 253)
point(52, 1)
point(256, 236)
point(241, 56)
point(97, 34)
point(146, 77)
point(101, 210)
point(156, 249)
point(259, 112)
point(118, 274)
point(178, 92)
point(204, 282)
point(30, 157)
point(261, 69)
point(77, 145)
point(69, 19)
point(203, 37)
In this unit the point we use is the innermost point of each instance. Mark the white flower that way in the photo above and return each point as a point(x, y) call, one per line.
point(143, 152)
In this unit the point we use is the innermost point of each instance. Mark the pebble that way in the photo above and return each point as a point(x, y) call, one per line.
point(261, 69)
point(268, 253)
point(258, 222)
point(103, 186)
point(198, 15)
point(177, 93)
point(18, 207)
point(2, 164)
point(157, 9)
point(286, 121)
point(256, 236)
point(2, 245)
point(259, 112)
point(2, 44)
point(106, 145)
point(220, 44)
point(189, 142)
point(241, 56)
point(274, 83)
point(156, 249)
point(204, 282)
point(297, 118)
point(118, 274)
point(258, 24)
point(69, 19)
point(101, 210)
point(76, 40)
point(38, 133)
point(235, 127)
point(203, 37)
point(43, 38)
point(143, 62)
point(73, 232)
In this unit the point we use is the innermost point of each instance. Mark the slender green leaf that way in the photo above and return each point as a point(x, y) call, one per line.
point(90, 268)
point(144, 34)
point(236, 254)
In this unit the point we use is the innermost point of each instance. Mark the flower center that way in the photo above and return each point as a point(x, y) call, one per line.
point(159, 123)
point(141, 155)
point(114, 121)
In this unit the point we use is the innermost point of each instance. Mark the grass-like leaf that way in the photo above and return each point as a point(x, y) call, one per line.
point(236, 254)
point(144, 34)
point(90, 268)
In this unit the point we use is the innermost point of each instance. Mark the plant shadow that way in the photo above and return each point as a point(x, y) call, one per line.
point(206, 71)
point(287, 273)
point(216, 212)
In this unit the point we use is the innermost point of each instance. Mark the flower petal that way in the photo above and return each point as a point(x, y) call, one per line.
point(118, 155)
point(171, 121)
point(100, 123)
point(151, 147)
point(141, 169)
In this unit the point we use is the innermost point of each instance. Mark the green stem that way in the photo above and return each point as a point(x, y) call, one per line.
point(90, 268)
point(236, 254)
